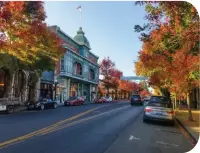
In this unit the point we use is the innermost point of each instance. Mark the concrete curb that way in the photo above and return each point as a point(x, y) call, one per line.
point(187, 131)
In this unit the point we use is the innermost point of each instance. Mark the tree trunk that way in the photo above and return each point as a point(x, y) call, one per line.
point(116, 95)
point(190, 118)
point(8, 84)
point(175, 103)
point(33, 80)
point(23, 89)
point(107, 91)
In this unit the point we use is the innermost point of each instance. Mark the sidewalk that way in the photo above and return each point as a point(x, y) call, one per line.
point(192, 127)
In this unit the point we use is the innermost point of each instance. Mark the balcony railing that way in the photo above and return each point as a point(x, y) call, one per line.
point(82, 77)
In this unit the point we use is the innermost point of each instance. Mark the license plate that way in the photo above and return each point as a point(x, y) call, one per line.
point(2, 107)
point(157, 113)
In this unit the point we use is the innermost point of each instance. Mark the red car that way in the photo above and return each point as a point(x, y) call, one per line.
point(101, 100)
point(74, 101)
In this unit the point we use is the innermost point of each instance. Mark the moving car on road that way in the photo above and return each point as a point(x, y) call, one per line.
point(42, 104)
point(160, 109)
point(73, 101)
point(136, 99)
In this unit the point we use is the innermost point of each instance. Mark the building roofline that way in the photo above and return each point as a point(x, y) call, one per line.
point(58, 28)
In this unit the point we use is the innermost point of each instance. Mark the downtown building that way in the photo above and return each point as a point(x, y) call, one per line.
point(76, 73)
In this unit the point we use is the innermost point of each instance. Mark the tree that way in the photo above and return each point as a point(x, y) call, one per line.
point(24, 34)
point(26, 42)
point(110, 73)
point(175, 42)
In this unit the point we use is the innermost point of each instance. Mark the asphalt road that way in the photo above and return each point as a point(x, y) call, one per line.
point(94, 128)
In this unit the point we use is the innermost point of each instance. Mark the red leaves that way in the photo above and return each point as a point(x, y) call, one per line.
point(144, 93)
point(110, 73)
point(129, 86)
point(24, 33)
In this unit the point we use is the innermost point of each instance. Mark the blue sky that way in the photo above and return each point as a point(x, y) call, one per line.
point(109, 27)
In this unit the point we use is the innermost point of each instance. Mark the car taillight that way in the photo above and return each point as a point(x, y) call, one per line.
point(148, 109)
point(171, 112)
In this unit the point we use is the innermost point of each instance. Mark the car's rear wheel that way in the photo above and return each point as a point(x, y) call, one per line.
point(42, 107)
point(172, 123)
point(54, 105)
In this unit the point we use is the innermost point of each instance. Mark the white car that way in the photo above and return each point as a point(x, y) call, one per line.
point(109, 99)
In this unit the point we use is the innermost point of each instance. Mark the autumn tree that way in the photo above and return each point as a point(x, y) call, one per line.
point(24, 34)
point(110, 73)
point(169, 56)
point(26, 42)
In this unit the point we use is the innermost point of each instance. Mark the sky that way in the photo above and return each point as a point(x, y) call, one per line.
point(109, 27)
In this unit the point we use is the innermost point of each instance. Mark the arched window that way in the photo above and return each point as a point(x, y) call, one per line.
point(77, 68)
point(92, 74)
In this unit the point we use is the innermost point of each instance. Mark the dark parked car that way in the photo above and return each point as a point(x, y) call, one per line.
point(160, 109)
point(72, 101)
point(42, 104)
point(136, 99)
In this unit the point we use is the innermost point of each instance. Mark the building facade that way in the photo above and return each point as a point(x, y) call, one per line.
point(77, 72)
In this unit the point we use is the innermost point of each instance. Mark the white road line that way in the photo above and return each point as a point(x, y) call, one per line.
point(133, 138)
point(168, 144)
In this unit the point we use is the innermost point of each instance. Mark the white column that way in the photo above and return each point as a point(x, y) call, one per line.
point(90, 93)
point(82, 89)
point(78, 92)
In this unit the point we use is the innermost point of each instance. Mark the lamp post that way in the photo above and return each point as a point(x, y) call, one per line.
point(55, 88)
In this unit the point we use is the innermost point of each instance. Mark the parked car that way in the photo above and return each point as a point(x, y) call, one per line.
point(136, 99)
point(42, 104)
point(101, 100)
point(109, 99)
point(145, 99)
point(72, 101)
point(159, 109)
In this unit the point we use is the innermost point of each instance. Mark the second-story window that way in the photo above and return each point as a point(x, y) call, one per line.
point(77, 68)
point(62, 64)
point(92, 74)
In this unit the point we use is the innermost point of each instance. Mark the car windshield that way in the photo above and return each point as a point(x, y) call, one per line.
point(71, 98)
point(159, 98)
point(135, 96)
point(43, 100)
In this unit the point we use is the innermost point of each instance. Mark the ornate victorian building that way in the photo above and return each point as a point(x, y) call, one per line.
point(77, 72)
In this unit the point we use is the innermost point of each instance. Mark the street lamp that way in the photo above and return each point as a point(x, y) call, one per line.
point(55, 88)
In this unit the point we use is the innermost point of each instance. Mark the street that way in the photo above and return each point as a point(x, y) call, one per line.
point(99, 128)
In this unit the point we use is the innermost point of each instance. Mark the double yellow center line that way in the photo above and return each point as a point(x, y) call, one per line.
point(46, 129)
